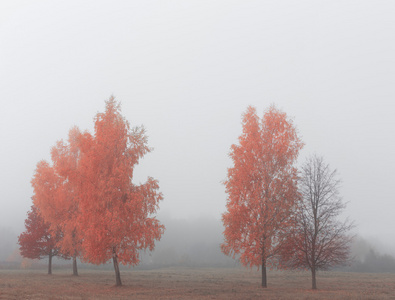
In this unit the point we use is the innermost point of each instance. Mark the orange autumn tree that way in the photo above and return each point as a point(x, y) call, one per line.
point(56, 194)
point(117, 216)
point(261, 188)
point(64, 211)
point(38, 240)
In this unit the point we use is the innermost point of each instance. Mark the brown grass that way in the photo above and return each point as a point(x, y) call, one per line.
point(179, 283)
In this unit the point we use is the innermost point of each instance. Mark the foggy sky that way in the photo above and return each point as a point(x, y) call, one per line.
point(187, 70)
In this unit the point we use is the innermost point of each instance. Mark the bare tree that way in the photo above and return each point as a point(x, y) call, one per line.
point(318, 240)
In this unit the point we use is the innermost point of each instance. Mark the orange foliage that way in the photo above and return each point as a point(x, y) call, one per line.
point(261, 186)
point(38, 240)
point(56, 193)
point(64, 211)
point(115, 214)
point(89, 196)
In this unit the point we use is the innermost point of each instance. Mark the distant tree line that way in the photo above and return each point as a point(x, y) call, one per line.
point(189, 243)
point(177, 248)
point(7, 242)
point(374, 262)
point(367, 258)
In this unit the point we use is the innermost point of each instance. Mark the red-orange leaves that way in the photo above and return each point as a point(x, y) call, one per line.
point(88, 192)
point(57, 192)
point(39, 240)
point(47, 187)
point(261, 187)
point(116, 214)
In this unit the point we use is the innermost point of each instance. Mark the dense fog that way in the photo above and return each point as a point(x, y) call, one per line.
point(196, 243)
point(187, 70)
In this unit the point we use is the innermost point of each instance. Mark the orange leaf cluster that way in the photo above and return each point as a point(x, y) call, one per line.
point(38, 240)
point(261, 186)
point(56, 193)
point(88, 192)
point(116, 214)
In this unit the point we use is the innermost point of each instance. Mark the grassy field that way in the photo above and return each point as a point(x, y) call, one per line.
point(182, 283)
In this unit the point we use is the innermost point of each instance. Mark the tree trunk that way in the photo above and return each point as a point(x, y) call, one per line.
point(116, 268)
point(75, 271)
point(264, 280)
point(313, 280)
point(50, 263)
point(264, 277)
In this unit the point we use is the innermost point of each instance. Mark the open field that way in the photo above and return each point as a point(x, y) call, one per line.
point(183, 283)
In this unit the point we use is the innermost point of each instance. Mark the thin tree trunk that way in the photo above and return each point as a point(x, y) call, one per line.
point(50, 262)
point(313, 280)
point(116, 268)
point(75, 270)
point(264, 280)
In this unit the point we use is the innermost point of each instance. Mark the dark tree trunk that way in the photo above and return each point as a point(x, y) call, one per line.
point(264, 280)
point(75, 271)
point(313, 280)
point(116, 268)
point(50, 263)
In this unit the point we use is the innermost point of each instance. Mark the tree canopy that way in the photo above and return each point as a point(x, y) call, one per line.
point(261, 187)
point(318, 239)
point(117, 216)
point(39, 241)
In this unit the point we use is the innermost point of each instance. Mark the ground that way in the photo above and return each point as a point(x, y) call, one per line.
point(183, 283)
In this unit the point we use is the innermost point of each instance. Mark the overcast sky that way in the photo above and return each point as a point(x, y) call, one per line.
point(187, 70)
